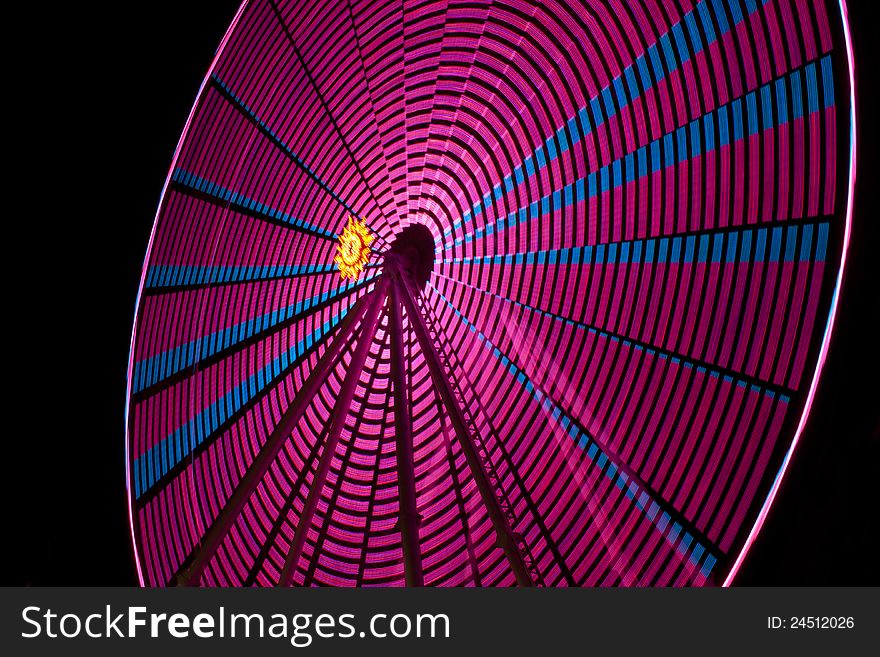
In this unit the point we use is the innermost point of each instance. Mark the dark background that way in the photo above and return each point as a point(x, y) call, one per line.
point(101, 96)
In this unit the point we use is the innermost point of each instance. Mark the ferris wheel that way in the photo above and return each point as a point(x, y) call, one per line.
point(490, 293)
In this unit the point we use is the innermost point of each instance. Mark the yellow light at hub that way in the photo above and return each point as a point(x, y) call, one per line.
point(353, 250)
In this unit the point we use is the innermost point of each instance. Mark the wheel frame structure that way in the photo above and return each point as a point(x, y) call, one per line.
point(395, 292)
point(390, 297)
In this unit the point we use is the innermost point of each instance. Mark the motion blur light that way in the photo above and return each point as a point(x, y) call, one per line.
point(605, 273)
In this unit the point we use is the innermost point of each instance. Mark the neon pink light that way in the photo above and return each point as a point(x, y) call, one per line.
point(823, 352)
point(131, 355)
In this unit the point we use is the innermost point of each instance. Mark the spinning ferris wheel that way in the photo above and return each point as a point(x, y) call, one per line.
point(489, 293)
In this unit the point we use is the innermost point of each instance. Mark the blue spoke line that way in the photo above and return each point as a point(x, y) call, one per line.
point(152, 370)
point(671, 530)
point(665, 354)
point(157, 461)
point(683, 143)
point(161, 276)
point(679, 249)
point(558, 142)
point(284, 147)
point(192, 181)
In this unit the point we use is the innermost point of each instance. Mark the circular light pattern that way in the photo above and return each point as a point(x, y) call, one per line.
point(353, 250)
point(640, 212)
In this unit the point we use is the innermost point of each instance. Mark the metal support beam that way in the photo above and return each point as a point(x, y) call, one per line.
point(506, 539)
point(191, 576)
point(406, 481)
point(343, 405)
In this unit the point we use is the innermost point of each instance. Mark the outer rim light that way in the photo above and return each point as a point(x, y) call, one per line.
point(137, 305)
point(829, 326)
